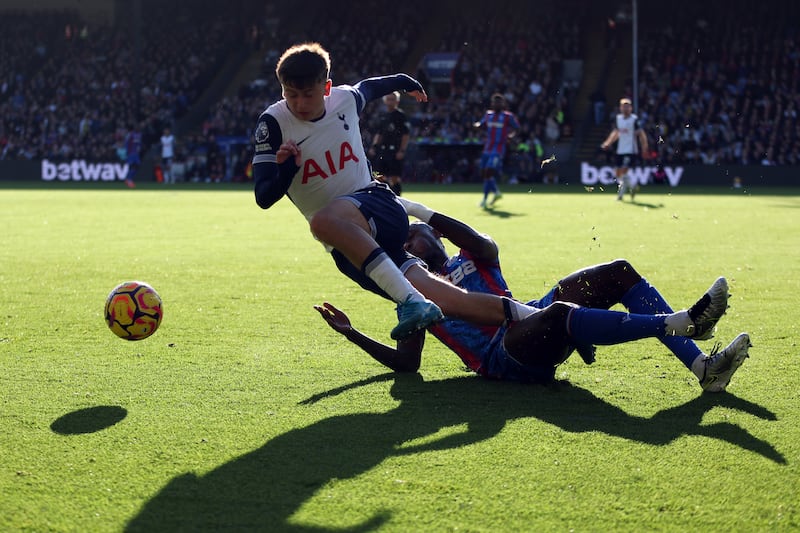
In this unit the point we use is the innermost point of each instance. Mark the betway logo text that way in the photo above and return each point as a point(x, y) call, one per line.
point(80, 170)
point(592, 175)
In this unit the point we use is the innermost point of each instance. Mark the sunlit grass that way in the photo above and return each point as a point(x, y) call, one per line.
point(244, 411)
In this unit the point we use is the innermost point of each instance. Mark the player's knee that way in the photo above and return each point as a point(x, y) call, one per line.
point(624, 271)
point(557, 312)
point(621, 266)
point(330, 221)
point(320, 224)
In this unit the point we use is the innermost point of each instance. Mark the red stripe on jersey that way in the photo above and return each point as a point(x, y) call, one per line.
point(470, 358)
point(494, 284)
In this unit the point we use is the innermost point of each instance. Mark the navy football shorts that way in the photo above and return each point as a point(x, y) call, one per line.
point(388, 222)
point(627, 160)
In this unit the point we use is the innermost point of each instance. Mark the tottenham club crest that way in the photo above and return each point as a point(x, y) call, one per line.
point(262, 133)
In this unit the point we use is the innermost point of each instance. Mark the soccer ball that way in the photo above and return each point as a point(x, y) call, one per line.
point(133, 310)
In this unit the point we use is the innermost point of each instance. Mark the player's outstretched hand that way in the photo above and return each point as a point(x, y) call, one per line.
point(335, 318)
point(420, 96)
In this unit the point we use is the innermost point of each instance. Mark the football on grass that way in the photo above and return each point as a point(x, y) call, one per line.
point(133, 310)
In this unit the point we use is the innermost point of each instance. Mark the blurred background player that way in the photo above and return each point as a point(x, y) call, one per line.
point(501, 125)
point(388, 150)
point(167, 153)
point(133, 145)
point(627, 131)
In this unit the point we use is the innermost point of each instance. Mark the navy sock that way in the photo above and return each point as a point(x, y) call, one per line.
point(599, 326)
point(643, 298)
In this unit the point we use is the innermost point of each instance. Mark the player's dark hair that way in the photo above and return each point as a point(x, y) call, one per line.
point(498, 101)
point(303, 65)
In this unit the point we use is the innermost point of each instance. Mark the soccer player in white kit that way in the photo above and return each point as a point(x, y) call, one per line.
point(627, 131)
point(308, 146)
point(167, 153)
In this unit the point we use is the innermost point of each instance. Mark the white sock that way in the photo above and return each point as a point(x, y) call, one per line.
point(388, 277)
point(517, 310)
point(679, 324)
point(699, 366)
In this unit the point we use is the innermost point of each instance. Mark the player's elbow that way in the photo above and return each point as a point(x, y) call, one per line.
point(265, 201)
point(487, 250)
point(267, 192)
point(408, 356)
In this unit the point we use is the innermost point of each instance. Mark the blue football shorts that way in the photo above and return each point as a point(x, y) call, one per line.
point(494, 161)
point(500, 365)
point(388, 222)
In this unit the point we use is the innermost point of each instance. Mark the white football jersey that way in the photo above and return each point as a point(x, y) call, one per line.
point(333, 162)
point(627, 134)
point(167, 146)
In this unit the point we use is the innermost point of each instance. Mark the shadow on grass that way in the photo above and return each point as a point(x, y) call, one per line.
point(88, 420)
point(639, 203)
point(500, 213)
point(261, 490)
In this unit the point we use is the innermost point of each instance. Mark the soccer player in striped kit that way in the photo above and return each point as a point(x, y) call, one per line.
point(573, 315)
point(500, 125)
point(630, 139)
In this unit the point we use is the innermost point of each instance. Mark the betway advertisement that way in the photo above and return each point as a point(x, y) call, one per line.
point(82, 170)
point(604, 175)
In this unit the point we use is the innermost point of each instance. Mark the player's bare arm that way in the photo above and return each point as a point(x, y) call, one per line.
point(463, 236)
point(460, 234)
point(611, 139)
point(401, 153)
point(645, 146)
point(405, 358)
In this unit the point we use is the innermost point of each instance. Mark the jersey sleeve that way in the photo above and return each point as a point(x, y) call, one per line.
point(271, 180)
point(372, 88)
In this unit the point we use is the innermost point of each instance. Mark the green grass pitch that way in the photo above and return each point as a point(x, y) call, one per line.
point(244, 411)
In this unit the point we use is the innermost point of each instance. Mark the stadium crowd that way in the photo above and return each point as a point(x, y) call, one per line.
point(87, 86)
point(717, 88)
point(713, 88)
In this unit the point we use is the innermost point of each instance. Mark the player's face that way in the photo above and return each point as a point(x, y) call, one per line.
point(423, 243)
point(626, 109)
point(307, 103)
